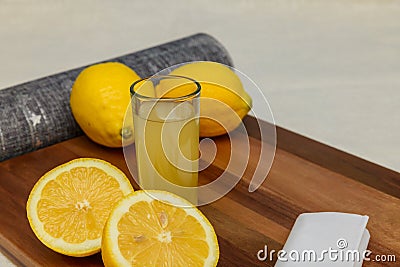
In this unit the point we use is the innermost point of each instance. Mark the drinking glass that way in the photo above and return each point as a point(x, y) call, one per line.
point(166, 125)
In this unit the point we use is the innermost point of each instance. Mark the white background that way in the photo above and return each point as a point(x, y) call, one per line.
point(330, 69)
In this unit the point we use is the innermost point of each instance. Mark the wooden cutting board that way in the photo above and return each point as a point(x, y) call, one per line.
point(306, 176)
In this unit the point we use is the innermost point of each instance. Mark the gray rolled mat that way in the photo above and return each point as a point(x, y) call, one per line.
point(36, 114)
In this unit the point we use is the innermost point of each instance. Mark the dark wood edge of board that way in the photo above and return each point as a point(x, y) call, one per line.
point(366, 172)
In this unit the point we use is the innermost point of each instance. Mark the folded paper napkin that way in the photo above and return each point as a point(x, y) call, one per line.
point(36, 114)
point(326, 239)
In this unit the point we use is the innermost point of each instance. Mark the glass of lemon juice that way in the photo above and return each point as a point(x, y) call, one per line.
point(166, 124)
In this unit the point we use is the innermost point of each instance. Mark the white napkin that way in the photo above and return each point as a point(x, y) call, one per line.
point(326, 231)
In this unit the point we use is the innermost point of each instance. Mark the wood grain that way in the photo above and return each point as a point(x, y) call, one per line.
point(306, 176)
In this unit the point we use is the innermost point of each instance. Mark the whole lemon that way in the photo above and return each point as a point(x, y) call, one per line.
point(99, 99)
point(223, 100)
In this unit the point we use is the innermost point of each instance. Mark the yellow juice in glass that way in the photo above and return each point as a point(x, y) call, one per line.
point(167, 147)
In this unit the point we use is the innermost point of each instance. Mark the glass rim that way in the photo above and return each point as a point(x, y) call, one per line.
point(192, 94)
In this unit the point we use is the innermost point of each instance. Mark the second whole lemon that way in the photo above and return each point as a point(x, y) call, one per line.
point(99, 99)
point(223, 100)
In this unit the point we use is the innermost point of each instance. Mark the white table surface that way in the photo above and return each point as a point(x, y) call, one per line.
point(329, 69)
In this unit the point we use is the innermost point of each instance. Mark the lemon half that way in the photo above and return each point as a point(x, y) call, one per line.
point(69, 205)
point(150, 228)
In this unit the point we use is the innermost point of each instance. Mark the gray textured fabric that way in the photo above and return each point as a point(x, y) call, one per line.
point(37, 114)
